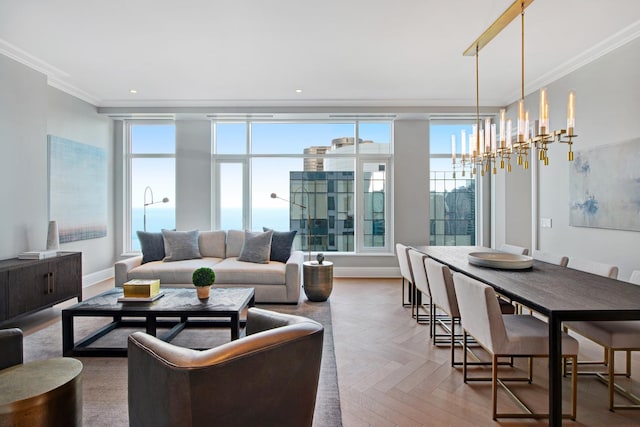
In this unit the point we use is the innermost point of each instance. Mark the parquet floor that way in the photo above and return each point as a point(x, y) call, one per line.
point(391, 375)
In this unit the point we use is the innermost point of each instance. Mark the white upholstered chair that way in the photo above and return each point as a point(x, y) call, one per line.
point(593, 267)
point(443, 297)
point(513, 249)
point(550, 258)
point(613, 336)
point(421, 285)
point(405, 272)
point(505, 336)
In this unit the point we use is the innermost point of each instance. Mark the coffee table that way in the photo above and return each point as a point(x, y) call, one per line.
point(173, 309)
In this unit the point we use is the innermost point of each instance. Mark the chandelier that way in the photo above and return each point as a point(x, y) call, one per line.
point(488, 149)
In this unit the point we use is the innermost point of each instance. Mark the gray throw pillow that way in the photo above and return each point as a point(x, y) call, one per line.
point(151, 245)
point(256, 247)
point(179, 245)
point(281, 243)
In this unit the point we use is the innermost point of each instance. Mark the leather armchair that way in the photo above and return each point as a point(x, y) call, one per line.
point(10, 347)
point(268, 378)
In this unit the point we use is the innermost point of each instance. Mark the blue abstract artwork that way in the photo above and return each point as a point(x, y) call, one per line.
point(77, 189)
point(604, 187)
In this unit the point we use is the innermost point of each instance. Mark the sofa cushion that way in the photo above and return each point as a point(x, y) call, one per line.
point(172, 272)
point(256, 247)
point(281, 243)
point(231, 271)
point(180, 245)
point(235, 240)
point(212, 243)
point(151, 245)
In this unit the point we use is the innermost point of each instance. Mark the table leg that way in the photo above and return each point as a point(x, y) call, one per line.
point(67, 333)
point(151, 325)
point(235, 326)
point(555, 372)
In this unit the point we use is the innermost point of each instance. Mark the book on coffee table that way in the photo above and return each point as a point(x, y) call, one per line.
point(140, 288)
point(140, 299)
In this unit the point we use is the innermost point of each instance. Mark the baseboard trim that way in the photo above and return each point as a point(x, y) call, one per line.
point(98, 276)
point(366, 272)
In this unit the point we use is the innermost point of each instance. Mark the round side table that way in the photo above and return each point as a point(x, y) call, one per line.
point(42, 393)
point(318, 280)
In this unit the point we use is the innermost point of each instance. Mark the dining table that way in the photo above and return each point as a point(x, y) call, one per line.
point(561, 294)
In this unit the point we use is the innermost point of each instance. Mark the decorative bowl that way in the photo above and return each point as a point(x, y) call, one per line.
point(502, 260)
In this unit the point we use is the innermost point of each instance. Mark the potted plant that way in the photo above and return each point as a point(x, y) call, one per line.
point(202, 279)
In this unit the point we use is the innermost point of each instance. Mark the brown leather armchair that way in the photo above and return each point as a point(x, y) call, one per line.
point(268, 378)
point(10, 347)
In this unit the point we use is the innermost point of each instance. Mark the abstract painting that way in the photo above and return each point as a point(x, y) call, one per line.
point(77, 189)
point(604, 187)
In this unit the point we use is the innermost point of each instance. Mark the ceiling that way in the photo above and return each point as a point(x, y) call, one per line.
point(405, 53)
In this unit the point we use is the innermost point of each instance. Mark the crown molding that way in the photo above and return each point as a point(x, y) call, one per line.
point(73, 91)
point(609, 44)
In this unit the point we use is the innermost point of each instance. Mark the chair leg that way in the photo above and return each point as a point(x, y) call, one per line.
point(574, 386)
point(610, 355)
point(464, 356)
point(494, 386)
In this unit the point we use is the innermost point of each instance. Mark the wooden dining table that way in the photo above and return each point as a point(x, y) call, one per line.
point(560, 293)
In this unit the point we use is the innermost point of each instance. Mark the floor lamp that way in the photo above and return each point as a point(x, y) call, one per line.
point(165, 200)
point(275, 196)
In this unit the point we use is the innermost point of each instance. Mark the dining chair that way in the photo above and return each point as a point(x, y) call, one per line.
point(421, 286)
point(443, 297)
point(613, 336)
point(550, 258)
point(506, 336)
point(405, 272)
point(593, 267)
point(513, 249)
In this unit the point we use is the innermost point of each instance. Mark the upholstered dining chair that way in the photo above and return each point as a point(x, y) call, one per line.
point(443, 297)
point(550, 258)
point(613, 336)
point(421, 285)
point(593, 267)
point(505, 336)
point(405, 272)
point(268, 378)
point(513, 249)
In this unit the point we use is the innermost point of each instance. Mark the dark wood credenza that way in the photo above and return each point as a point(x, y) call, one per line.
point(30, 285)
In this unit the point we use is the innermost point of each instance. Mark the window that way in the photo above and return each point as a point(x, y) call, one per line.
point(151, 180)
point(452, 193)
point(334, 190)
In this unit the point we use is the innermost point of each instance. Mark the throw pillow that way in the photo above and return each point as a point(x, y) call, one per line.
point(256, 247)
point(179, 245)
point(152, 246)
point(281, 243)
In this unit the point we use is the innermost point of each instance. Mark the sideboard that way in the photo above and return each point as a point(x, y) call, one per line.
point(30, 285)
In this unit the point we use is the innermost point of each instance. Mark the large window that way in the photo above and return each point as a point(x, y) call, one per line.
point(334, 188)
point(151, 179)
point(452, 192)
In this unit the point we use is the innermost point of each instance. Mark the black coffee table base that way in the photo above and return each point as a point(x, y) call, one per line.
point(170, 314)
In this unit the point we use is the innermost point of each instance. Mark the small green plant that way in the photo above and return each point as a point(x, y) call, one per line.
point(203, 276)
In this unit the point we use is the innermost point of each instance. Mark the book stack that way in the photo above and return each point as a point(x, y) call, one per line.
point(38, 254)
point(141, 288)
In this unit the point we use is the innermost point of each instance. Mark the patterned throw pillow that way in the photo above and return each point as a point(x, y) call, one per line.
point(152, 246)
point(179, 245)
point(281, 243)
point(256, 247)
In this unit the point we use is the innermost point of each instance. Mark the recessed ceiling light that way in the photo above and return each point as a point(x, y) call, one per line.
point(133, 91)
point(298, 90)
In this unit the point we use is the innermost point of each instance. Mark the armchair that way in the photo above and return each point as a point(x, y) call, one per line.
point(11, 345)
point(270, 377)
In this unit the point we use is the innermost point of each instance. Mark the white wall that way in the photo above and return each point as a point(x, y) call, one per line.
point(607, 111)
point(29, 110)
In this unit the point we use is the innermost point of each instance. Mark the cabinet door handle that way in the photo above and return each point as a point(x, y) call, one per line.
point(48, 276)
point(53, 281)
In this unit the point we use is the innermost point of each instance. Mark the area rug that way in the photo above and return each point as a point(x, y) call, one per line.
point(105, 379)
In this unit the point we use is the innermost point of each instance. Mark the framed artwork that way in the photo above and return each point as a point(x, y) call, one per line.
point(604, 187)
point(77, 189)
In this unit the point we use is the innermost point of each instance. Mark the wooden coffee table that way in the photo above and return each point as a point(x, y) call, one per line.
point(175, 308)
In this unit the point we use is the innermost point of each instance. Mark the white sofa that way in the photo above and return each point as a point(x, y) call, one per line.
point(274, 282)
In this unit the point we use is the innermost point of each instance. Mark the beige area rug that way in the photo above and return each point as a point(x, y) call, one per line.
point(105, 379)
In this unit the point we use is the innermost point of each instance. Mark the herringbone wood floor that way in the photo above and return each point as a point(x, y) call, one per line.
point(391, 375)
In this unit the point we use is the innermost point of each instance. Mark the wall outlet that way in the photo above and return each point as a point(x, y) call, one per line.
point(545, 222)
